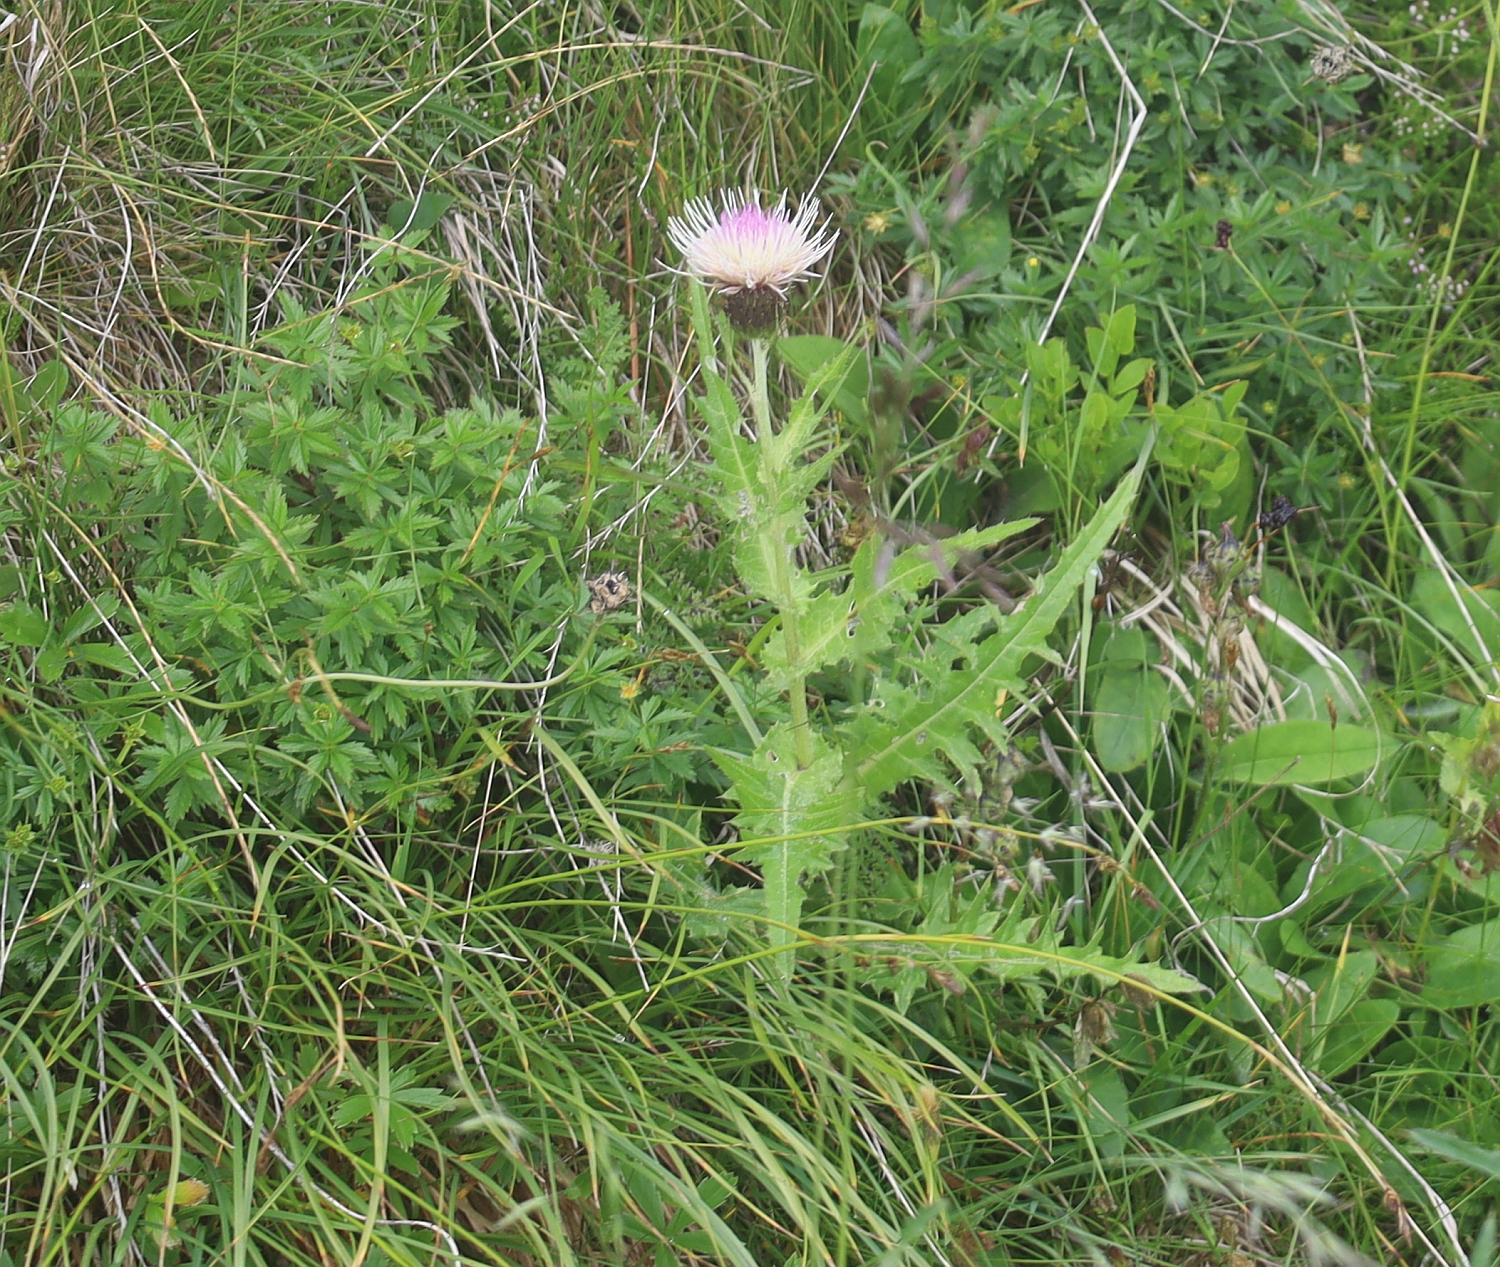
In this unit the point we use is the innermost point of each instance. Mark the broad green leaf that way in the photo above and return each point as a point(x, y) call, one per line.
point(934, 720)
point(982, 242)
point(1131, 376)
point(24, 626)
point(1129, 702)
point(1294, 940)
point(1354, 1035)
point(1102, 353)
point(1221, 475)
point(406, 216)
point(107, 655)
point(1200, 440)
point(1434, 600)
point(1464, 969)
point(89, 617)
point(1095, 413)
point(887, 45)
point(1308, 752)
point(51, 661)
point(1241, 887)
point(1342, 983)
point(1284, 596)
point(48, 385)
point(1122, 330)
point(1309, 694)
point(1242, 951)
point(184, 1195)
point(1106, 1108)
point(1361, 867)
point(1410, 835)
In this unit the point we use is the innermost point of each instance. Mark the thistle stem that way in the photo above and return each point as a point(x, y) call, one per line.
point(785, 561)
point(760, 395)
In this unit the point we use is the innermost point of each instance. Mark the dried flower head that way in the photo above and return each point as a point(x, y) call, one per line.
point(610, 590)
point(750, 254)
point(1332, 63)
point(1281, 513)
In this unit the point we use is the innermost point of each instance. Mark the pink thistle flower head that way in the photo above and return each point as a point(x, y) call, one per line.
point(750, 254)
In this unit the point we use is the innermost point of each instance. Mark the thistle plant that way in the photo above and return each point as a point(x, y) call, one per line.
point(749, 256)
point(806, 787)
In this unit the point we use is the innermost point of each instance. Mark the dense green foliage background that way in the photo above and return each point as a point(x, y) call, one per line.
point(371, 896)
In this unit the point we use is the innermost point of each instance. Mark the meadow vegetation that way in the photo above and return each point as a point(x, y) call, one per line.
point(482, 783)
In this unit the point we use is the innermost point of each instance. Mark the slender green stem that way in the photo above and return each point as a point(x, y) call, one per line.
point(760, 403)
point(10, 406)
point(1439, 281)
point(760, 394)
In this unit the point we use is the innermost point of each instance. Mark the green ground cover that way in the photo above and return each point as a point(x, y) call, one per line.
point(461, 800)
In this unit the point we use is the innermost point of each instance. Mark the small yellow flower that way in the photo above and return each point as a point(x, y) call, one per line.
point(1445, 230)
point(1033, 262)
point(1346, 482)
point(1353, 154)
point(629, 690)
point(1282, 208)
point(877, 222)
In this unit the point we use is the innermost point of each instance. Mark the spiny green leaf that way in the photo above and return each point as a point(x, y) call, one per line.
point(763, 496)
point(1023, 949)
point(1486, 1161)
point(792, 819)
point(805, 354)
point(936, 718)
point(858, 621)
point(822, 385)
